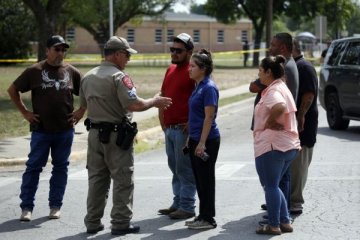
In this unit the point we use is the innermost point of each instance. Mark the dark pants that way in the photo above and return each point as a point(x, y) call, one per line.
point(204, 172)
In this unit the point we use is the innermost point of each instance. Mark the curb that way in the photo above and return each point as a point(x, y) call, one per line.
point(142, 135)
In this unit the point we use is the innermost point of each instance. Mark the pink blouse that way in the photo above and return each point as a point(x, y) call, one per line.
point(266, 140)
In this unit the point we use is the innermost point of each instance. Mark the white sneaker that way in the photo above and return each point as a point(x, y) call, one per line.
point(54, 213)
point(201, 225)
point(25, 216)
point(190, 222)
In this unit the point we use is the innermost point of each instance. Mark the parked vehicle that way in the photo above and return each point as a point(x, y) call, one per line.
point(339, 90)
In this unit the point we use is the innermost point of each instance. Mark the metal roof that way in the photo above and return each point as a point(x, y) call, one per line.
point(186, 17)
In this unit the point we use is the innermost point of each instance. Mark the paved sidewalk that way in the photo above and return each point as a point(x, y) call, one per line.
point(14, 151)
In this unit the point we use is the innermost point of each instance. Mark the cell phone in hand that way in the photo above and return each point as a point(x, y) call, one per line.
point(185, 150)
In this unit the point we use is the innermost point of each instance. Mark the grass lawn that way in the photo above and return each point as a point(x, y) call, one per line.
point(146, 75)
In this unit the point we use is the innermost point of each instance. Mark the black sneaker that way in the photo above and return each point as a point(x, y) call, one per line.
point(296, 212)
point(130, 229)
point(95, 230)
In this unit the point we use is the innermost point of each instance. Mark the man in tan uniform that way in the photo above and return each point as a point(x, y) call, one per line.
point(110, 97)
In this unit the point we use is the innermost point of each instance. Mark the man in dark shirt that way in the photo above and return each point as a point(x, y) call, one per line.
point(52, 84)
point(307, 117)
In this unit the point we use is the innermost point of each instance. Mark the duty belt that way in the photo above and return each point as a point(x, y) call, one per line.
point(113, 126)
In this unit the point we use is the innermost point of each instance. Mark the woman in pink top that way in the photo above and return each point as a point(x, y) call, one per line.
point(276, 141)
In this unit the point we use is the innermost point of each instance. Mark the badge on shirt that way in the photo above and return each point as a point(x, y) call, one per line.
point(132, 93)
point(127, 82)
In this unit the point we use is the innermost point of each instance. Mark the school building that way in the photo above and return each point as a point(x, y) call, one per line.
point(154, 35)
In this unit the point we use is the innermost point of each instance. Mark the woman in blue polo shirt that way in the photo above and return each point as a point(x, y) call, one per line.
point(204, 137)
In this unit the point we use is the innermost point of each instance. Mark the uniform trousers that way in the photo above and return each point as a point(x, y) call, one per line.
point(299, 172)
point(204, 172)
point(106, 162)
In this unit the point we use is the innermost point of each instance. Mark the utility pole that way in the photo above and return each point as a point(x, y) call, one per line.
point(269, 18)
point(111, 19)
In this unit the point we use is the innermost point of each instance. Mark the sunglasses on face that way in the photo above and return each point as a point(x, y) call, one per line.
point(127, 54)
point(60, 49)
point(177, 50)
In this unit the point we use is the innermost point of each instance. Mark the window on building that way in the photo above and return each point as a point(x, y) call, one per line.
point(244, 36)
point(131, 35)
point(196, 36)
point(70, 34)
point(158, 35)
point(220, 36)
point(170, 35)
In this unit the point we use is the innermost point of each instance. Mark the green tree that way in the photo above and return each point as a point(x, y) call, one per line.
point(337, 12)
point(229, 11)
point(353, 25)
point(197, 9)
point(46, 13)
point(93, 15)
point(14, 34)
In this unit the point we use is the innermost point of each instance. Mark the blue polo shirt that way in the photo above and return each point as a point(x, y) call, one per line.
point(205, 94)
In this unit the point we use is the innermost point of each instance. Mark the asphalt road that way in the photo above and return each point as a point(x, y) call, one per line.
point(332, 195)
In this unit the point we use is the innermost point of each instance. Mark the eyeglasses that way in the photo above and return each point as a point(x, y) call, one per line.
point(127, 54)
point(60, 49)
point(177, 50)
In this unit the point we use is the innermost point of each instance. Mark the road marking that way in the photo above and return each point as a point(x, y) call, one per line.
point(227, 170)
point(7, 181)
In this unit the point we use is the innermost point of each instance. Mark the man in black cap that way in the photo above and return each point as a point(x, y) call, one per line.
point(110, 97)
point(52, 84)
point(178, 86)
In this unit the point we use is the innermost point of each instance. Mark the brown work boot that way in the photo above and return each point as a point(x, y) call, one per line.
point(179, 214)
point(166, 211)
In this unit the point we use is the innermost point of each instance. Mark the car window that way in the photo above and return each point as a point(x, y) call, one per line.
point(334, 52)
point(352, 54)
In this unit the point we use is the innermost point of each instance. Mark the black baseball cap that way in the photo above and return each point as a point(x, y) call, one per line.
point(56, 40)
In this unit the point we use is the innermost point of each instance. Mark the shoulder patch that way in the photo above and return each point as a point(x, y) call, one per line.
point(127, 82)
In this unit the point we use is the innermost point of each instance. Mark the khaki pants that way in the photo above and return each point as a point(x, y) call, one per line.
point(299, 172)
point(106, 162)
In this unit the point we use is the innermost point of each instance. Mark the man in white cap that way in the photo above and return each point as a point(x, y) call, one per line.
point(110, 97)
point(178, 86)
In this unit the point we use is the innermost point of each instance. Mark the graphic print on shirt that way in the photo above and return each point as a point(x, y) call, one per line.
point(58, 84)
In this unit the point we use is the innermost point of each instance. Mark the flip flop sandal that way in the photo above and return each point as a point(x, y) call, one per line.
point(267, 230)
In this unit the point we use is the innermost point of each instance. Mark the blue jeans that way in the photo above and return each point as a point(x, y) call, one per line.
point(183, 182)
point(40, 146)
point(271, 167)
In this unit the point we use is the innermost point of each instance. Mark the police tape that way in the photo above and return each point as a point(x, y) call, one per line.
point(155, 56)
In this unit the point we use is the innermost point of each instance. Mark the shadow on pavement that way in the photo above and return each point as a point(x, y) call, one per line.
point(352, 133)
point(243, 228)
point(16, 225)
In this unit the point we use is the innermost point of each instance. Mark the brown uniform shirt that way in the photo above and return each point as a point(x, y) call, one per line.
point(106, 92)
point(52, 90)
